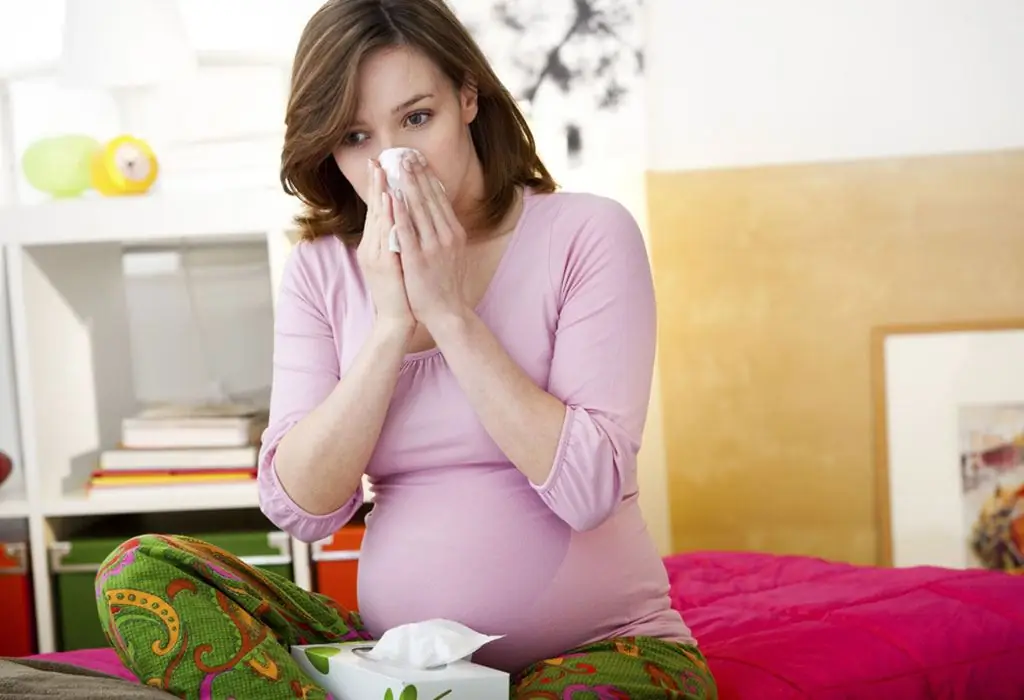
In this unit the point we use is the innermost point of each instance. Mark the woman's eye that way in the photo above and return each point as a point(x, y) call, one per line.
point(418, 119)
point(355, 138)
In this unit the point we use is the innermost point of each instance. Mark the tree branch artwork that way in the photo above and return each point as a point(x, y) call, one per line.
point(589, 51)
point(592, 49)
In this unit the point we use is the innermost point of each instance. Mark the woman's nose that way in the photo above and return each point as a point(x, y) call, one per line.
point(386, 143)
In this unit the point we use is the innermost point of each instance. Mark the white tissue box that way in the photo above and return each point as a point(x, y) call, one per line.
point(342, 671)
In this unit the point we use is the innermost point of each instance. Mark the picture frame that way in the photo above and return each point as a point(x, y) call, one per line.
point(935, 389)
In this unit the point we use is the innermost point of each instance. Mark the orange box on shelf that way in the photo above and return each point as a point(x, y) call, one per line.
point(18, 638)
point(336, 564)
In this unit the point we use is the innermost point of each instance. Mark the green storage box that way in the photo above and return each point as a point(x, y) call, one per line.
point(74, 563)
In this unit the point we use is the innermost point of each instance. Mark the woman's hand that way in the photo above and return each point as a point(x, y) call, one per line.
point(433, 247)
point(382, 268)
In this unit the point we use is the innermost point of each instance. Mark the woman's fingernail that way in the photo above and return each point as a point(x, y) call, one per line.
point(422, 158)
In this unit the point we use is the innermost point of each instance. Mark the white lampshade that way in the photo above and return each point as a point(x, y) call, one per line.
point(124, 43)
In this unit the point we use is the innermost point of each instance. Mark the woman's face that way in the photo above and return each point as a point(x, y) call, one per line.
point(405, 101)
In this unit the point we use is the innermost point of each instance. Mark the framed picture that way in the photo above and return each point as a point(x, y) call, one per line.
point(949, 424)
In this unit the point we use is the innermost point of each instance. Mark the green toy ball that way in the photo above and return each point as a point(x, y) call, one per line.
point(59, 165)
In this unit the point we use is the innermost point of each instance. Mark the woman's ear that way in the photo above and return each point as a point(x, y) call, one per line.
point(468, 101)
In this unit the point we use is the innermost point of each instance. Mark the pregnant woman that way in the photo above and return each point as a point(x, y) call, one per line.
point(492, 380)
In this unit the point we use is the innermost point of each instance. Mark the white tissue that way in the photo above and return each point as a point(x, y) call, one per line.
point(390, 161)
point(428, 644)
point(393, 245)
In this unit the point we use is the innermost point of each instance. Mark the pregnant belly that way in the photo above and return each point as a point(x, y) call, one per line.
point(475, 545)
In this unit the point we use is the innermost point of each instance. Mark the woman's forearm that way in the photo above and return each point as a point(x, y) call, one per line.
point(523, 420)
point(321, 460)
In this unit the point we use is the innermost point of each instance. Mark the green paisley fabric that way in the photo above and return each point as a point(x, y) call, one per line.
point(193, 620)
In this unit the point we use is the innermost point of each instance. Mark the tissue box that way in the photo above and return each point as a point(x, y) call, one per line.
point(344, 673)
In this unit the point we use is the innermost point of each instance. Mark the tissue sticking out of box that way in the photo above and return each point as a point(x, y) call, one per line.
point(428, 644)
point(390, 160)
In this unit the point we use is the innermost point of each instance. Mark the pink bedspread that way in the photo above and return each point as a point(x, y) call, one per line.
point(792, 628)
point(102, 660)
point(783, 628)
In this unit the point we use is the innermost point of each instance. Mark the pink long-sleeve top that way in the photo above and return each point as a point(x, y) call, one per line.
point(456, 531)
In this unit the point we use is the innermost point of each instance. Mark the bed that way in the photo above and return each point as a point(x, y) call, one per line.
point(798, 628)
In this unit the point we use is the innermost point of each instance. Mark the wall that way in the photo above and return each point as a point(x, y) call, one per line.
point(735, 83)
point(815, 170)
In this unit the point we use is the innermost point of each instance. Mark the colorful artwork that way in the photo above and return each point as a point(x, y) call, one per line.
point(992, 476)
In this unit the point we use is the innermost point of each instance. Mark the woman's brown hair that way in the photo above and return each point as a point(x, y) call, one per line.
point(323, 103)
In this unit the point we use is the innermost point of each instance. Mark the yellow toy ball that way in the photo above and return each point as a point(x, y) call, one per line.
point(124, 165)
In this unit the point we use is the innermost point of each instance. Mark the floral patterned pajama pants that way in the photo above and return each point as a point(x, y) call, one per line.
point(192, 619)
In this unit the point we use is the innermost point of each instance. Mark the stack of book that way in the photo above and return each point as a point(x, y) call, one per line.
point(170, 446)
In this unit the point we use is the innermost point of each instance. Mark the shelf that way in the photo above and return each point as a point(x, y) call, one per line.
point(171, 499)
point(150, 218)
point(13, 507)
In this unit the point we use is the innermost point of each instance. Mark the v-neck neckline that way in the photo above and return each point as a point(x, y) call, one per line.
point(499, 272)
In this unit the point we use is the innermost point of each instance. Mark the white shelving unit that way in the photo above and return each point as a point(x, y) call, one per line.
point(69, 329)
point(13, 501)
